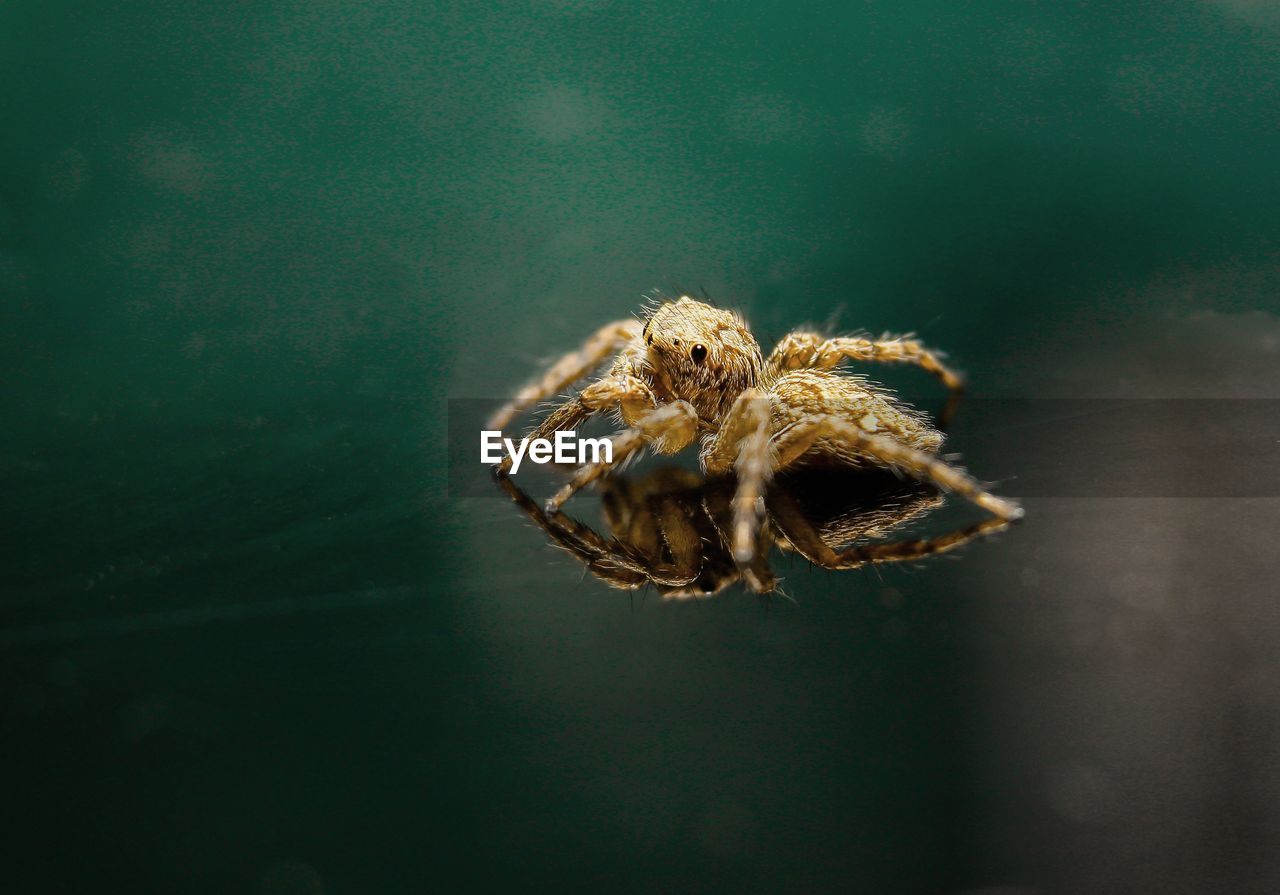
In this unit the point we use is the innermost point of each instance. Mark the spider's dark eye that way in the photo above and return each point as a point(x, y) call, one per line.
point(698, 353)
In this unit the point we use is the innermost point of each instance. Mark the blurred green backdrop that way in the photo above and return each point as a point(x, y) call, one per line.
point(248, 250)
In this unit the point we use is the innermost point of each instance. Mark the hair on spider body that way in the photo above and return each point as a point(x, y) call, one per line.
point(687, 371)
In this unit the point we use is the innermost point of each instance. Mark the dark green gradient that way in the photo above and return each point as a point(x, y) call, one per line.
point(249, 250)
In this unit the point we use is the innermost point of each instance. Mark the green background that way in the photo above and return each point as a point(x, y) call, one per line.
point(247, 253)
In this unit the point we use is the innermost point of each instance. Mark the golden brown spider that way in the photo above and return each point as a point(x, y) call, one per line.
point(669, 528)
point(690, 370)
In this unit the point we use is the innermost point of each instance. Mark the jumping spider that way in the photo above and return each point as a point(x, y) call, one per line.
point(692, 371)
point(669, 528)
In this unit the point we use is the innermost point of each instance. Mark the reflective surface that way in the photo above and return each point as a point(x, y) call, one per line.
point(250, 641)
point(670, 528)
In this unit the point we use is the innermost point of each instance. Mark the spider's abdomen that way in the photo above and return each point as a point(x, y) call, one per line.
point(806, 393)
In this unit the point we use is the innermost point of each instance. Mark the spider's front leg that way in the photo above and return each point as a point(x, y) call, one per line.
point(629, 394)
point(755, 572)
point(669, 428)
point(609, 339)
point(809, 350)
point(742, 444)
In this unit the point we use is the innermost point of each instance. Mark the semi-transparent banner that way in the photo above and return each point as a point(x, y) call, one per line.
point(1027, 447)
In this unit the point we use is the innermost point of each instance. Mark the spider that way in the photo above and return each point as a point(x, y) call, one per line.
point(667, 528)
point(690, 371)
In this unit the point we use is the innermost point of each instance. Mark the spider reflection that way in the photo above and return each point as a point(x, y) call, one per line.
point(671, 527)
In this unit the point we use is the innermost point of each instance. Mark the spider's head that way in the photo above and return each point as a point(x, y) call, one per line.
point(701, 354)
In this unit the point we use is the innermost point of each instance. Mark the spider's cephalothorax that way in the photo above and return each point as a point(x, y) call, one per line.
point(700, 354)
point(690, 372)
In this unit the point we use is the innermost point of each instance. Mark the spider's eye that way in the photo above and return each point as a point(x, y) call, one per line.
point(698, 353)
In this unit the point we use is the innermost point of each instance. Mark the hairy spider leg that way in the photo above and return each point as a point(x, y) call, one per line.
point(794, 442)
point(606, 341)
point(788, 446)
point(801, 350)
point(670, 429)
point(626, 392)
point(756, 571)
